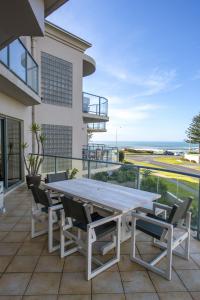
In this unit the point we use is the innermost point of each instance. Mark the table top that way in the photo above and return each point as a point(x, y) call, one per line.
point(115, 197)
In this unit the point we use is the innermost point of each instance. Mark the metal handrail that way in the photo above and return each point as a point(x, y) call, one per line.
point(99, 103)
point(122, 164)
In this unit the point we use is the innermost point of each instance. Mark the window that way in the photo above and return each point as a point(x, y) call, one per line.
point(56, 80)
point(59, 143)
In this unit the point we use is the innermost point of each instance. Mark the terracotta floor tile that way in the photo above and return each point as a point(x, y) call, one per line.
point(142, 296)
point(163, 285)
point(40, 297)
point(126, 264)
point(22, 264)
point(75, 283)
point(137, 281)
point(44, 283)
point(9, 248)
point(108, 297)
point(14, 283)
point(195, 295)
point(4, 261)
point(107, 282)
point(30, 249)
point(196, 258)
point(75, 263)
point(74, 297)
point(15, 237)
point(191, 279)
point(50, 264)
point(175, 295)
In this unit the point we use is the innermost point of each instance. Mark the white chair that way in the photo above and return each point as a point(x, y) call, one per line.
point(167, 234)
point(94, 226)
point(45, 211)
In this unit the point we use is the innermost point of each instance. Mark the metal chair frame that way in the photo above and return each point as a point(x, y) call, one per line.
point(85, 247)
point(49, 218)
point(168, 241)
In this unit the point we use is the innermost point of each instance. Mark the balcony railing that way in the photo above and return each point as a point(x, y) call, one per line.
point(96, 105)
point(100, 152)
point(170, 184)
point(97, 126)
point(19, 61)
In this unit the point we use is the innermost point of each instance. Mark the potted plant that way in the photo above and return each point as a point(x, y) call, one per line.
point(33, 161)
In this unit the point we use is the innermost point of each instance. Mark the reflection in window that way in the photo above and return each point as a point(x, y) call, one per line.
point(13, 151)
point(18, 59)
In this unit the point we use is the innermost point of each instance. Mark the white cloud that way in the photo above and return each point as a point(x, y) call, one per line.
point(155, 82)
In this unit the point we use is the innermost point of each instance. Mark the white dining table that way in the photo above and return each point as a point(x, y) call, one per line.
point(116, 198)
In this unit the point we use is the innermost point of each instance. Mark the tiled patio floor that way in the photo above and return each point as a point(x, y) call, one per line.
point(29, 272)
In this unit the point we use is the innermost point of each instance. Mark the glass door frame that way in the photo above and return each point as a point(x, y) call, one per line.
point(4, 120)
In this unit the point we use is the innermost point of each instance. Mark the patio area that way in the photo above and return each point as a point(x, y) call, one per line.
point(28, 271)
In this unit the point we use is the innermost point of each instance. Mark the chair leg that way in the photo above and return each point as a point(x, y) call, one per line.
point(133, 238)
point(34, 232)
point(89, 255)
point(169, 254)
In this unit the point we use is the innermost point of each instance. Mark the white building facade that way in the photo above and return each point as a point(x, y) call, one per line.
point(41, 81)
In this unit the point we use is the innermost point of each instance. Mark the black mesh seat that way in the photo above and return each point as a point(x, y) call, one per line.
point(153, 230)
point(100, 230)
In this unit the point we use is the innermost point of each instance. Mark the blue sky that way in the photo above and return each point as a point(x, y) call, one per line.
point(147, 54)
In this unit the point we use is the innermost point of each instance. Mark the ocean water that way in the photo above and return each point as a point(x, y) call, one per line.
point(162, 145)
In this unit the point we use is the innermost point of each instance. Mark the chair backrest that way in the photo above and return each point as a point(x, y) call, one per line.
point(179, 211)
point(57, 177)
point(41, 196)
point(75, 210)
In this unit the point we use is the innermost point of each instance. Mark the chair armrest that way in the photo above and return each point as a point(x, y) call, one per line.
point(56, 207)
point(103, 221)
point(162, 206)
point(151, 220)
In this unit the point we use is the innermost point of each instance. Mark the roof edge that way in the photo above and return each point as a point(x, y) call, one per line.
point(69, 34)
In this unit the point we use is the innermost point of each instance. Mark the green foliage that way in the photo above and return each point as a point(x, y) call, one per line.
point(150, 184)
point(124, 174)
point(33, 162)
point(193, 131)
point(72, 174)
point(121, 155)
point(130, 150)
point(102, 176)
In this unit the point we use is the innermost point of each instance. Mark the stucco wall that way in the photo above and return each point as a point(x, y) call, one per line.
point(61, 115)
point(12, 108)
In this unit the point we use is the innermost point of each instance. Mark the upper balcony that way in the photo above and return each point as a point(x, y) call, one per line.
point(95, 108)
point(24, 18)
point(19, 74)
point(89, 65)
point(96, 127)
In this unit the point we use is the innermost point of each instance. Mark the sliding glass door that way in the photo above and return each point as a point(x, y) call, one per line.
point(10, 152)
point(13, 152)
point(2, 175)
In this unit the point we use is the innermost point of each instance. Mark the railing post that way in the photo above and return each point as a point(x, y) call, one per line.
point(55, 165)
point(89, 169)
point(198, 214)
point(138, 178)
point(99, 106)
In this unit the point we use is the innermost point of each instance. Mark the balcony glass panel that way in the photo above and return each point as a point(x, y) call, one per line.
point(32, 73)
point(94, 104)
point(4, 55)
point(17, 59)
